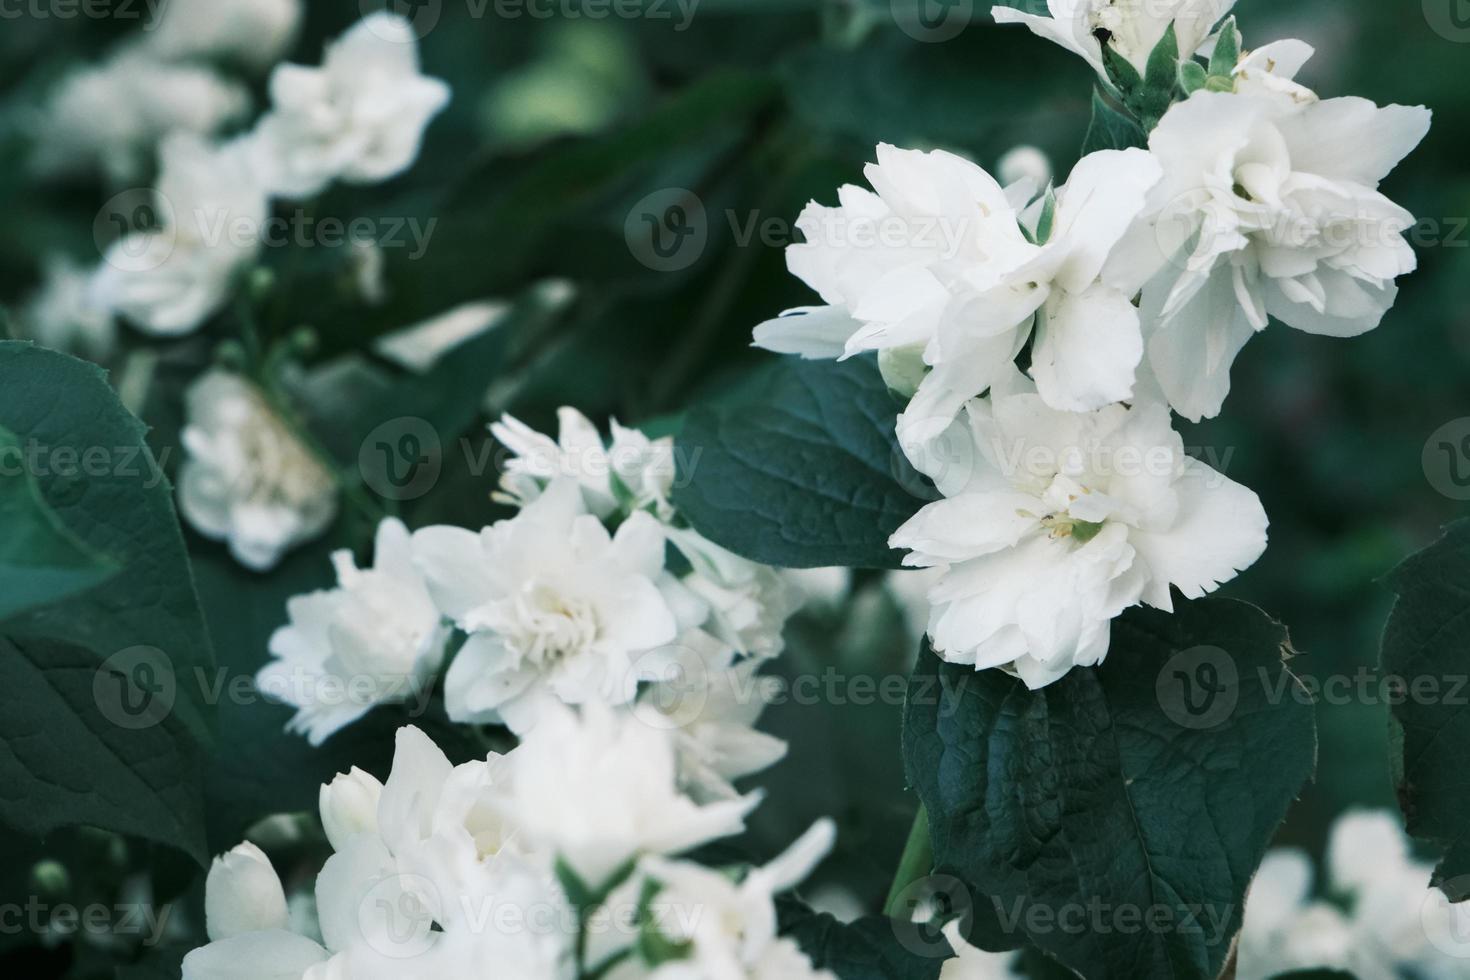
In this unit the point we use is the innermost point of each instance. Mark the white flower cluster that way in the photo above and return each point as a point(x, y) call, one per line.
point(358, 118)
point(558, 857)
point(573, 601)
point(1131, 288)
point(1382, 920)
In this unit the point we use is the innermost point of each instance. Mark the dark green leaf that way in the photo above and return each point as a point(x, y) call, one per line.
point(1143, 791)
point(1426, 646)
point(1111, 129)
point(106, 723)
point(874, 948)
point(802, 470)
point(40, 560)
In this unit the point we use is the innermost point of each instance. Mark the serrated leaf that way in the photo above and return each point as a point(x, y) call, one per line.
point(801, 471)
point(1111, 129)
point(1149, 786)
point(105, 724)
point(1427, 644)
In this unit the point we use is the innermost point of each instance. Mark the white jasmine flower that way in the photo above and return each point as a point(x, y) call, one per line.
point(253, 33)
point(168, 281)
point(600, 789)
point(711, 713)
point(633, 472)
point(557, 608)
point(1269, 207)
point(64, 315)
point(111, 117)
point(359, 118)
point(1059, 521)
point(349, 805)
point(1272, 69)
point(748, 603)
point(728, 927)
point(376, 638)
point(974, 963)
point(1132, 28)
point(1386, 921)
point(243, 894)
point(937, 264)
point(247, 478)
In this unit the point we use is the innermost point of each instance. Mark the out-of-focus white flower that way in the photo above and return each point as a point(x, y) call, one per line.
point(359, 118)
point(1386, 920)
point(1024, 163)
point(711, 712)
point(111, 116)
point(1268, 207)
point(64, 315)
point(632, 472)
point(727, 928)
point(168, 280)
point(974, 963)
point(600, 789)
point(252, 33)
point(1132, 28)
point(247, 479)
point(1055, 522)
point(558, 609)
point(420, 346)
point(376, 638)
point(945, 265)
point(243, 894)
point(910, 589)
point(820, 587)
point(349, 805)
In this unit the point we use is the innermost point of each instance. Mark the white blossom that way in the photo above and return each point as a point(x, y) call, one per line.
point(168, 280)
point(600, 789)
point(1269, 207)
point(64, 314)
point(945, 265)
point(247, 479)
point(1053, 523)
point(377, 637)
point(359, 118)
point(1386, 920)
point(243, 894)
point(112, 116)
point(727, 927)
point(252, 33)
point(557, 608)
point(1133, 28)
point(349, 806)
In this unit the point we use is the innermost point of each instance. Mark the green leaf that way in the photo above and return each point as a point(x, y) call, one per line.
point(1192, 76)
point(1144, 790)
point(1427, 646)
point(873, 948)
point(802, 470)
point(1227, 50)
point(40, 560)
point(1048, 217)
point(106, 724)
point(1111, 129)
point(1160, 80)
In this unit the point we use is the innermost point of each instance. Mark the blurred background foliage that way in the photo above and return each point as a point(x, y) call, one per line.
point(560, 126)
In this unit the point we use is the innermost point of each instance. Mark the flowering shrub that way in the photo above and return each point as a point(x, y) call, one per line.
point(426, 579)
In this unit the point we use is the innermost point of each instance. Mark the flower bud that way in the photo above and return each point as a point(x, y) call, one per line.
point(243, 894)
point(349, 806)
point(1024, 162)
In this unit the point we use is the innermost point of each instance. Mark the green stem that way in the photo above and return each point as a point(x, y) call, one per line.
point(915, 864)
